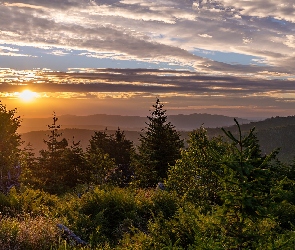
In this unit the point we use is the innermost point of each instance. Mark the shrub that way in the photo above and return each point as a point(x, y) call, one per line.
point(28, 201)
point(28, 233)
point(106, 215)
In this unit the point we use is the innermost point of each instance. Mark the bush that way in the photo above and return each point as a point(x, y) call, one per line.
point(106, 215)
point(28, 233)
point(31, 201)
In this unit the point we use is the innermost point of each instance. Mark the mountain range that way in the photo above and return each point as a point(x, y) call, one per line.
point(272, 133)
point(127, 123)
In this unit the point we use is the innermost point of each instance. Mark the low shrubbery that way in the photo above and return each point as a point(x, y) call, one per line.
point(28, 232)
point(102, 216)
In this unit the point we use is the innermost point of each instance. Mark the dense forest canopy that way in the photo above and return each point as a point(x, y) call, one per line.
point(218, 192)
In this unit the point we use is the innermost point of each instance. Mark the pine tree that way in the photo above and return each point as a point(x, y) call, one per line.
point(75, 165)
point(159, 148)
point(246, 187)
point(52, 161)
point(30, 170)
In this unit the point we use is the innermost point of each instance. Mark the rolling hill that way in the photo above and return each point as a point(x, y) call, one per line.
point(127, 123)
point(273, 133)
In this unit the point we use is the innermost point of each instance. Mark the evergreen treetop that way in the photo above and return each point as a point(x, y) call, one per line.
point(159, 148)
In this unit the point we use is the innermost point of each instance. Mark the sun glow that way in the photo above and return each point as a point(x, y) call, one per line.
point(27, 95)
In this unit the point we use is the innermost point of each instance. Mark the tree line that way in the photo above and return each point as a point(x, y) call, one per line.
point(108, 159)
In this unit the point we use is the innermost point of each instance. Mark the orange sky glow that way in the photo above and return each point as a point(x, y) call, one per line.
point(227, 57)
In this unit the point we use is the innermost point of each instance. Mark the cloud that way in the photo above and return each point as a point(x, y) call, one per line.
point(9, 51)
point(283, 10)
point(44, 3)
point(180, 83)
point(158, 31)
point(131, 91)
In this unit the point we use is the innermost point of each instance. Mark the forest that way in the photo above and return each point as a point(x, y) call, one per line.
point(211, 192)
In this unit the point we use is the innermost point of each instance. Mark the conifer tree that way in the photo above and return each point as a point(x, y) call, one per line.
point(75, 165)
point(118, 148)
point(159, 148)
point(52, 161)
point(246, 189)
point(30, 170)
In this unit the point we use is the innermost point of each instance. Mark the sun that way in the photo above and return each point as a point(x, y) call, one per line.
point(27, 95)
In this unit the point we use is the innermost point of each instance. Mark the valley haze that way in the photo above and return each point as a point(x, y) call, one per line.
point(130, 123)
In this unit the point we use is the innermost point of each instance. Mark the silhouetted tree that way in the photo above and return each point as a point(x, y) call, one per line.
point(52, 161)
point(119, 149)
point(30, 170)
point(159, 148)
point(99, 166)
point(75, 165)
point(10, 141)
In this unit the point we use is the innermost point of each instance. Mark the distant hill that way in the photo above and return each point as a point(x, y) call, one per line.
point(127, 123)
point(272, 133)
point(35, 130)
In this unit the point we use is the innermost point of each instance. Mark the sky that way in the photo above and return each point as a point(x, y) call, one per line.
point(83, 57)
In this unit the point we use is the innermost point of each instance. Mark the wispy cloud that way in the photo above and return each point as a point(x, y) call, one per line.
point(163, 31)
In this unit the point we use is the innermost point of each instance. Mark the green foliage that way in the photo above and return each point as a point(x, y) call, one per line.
point(159, 148)
point(30, 233)
point(246, 186)
point(195, 175)
point(283, 197)
point(59, 168)
point(34, 202)
point(218, 195)
point(118, 148)
point(115, 145)
point(10, 141)
point(99, 166)
point(106, 215)
point(52, 161)
point(74, 173)
point(30, 169)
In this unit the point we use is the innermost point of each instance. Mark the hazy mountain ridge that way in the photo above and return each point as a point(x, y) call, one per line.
point(127, 123)
point(35, 130)
point(272, 133)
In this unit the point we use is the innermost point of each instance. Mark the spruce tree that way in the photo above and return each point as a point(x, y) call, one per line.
point(159, 148)
point(246, 189)
point(52, 161)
